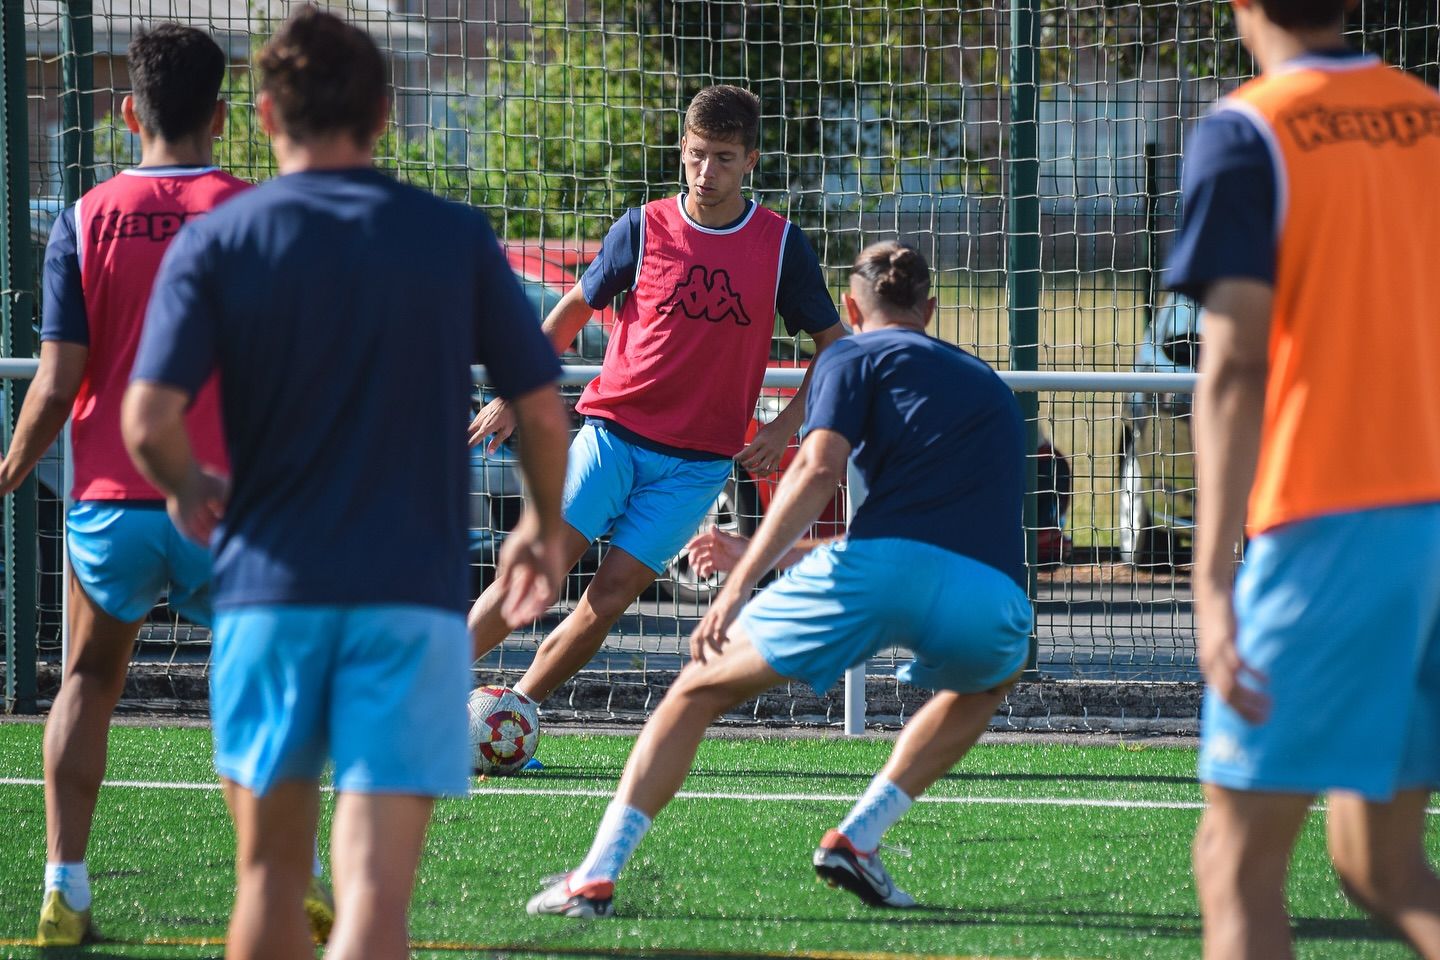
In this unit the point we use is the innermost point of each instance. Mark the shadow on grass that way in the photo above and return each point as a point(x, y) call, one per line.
point(590, 774)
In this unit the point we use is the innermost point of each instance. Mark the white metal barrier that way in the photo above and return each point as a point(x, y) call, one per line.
point(1020, 381)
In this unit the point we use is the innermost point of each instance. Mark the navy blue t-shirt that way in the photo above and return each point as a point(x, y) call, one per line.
point(343, 311)
point(938, 437)
point(801, 297)
point(1231, 217)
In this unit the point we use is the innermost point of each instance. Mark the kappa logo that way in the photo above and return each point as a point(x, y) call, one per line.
point(158, 227)
point(1400, 124)
point(706, 295)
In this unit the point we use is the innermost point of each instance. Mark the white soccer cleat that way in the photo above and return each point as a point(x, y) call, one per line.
point(839, 864)
point(586, 902)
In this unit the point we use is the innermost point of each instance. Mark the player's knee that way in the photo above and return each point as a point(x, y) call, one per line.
point(94, 686)
point(609, 599)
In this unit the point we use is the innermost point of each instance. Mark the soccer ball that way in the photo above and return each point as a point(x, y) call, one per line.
point(504, 730)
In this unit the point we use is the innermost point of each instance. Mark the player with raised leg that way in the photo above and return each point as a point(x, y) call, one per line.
point(100, 265)
point(1311, 212)
point(705, 274)
point(929, 563)
point(342, 311)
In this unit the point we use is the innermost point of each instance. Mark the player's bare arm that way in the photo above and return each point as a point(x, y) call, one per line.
point(762, 455)
point(567, 318)
point(532, 564)
point(47, 405)
point(718, 551)
point(152, 422)
point(1229, 405)
point(807, 487)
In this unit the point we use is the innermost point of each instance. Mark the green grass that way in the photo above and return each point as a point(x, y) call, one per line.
point(724, 876)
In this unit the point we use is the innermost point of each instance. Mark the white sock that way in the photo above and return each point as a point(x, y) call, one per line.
point(71, 879)
point(621, 830)
point(876, 811)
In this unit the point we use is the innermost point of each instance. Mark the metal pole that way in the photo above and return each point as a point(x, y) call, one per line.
point(1023, 254)
point(17, 339)
point(77, 113)
point(855, 676)
point(77, 146)
point(1152, 225)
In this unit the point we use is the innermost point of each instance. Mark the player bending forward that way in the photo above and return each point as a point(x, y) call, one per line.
point(706, 273)
point(930, 563)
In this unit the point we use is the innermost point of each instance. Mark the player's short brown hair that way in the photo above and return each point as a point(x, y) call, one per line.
point(1300, 14)
point(325, 76)
point(725, 112)
point(175, 77)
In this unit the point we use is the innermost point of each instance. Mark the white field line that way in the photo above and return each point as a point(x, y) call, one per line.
point(719, 795)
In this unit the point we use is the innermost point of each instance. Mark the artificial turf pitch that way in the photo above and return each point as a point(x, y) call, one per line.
point(1027, 850)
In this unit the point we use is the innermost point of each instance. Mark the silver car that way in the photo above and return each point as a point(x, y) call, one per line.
point(1157, 452)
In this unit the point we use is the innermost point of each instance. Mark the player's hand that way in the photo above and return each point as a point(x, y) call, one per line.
point(712, 633)
point(196, 510)
point(495, 420)
point(531, 571)
point(1235, 681)
point(763, 455)
point(715, 551)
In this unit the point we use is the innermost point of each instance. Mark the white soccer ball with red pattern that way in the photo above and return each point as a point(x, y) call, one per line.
point(504, 729)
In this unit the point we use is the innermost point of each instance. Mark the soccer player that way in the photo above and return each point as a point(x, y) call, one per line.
point(124, 552)
point(933, 561)
point(705, 273)
point(342, 312)
point(1311, 212)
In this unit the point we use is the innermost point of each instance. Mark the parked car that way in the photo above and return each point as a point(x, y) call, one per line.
point(1157, 458)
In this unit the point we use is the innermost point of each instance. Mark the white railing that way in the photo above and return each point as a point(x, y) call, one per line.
point(790, 377)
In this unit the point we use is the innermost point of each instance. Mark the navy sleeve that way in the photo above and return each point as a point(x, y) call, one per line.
point(840, 389)
point(64, 316)
point(177, 346)
point(1229, 224)
point(613, 271)
point(508, 340)
point(801, 298)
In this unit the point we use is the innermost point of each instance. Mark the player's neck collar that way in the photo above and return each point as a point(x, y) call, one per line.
point(728, 228)
point(1333, 60)
point(169, 170)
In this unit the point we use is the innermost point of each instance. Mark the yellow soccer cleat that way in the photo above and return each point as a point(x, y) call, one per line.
point(62, 926)
point(320, 909)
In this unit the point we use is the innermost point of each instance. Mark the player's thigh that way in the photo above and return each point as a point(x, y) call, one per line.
point(974, 635)
point(397, 712)
point(1250, 828)
point(599, 476)
point(118, 555)
point(1334, 612)
point(1369, 840)
point(100, 646)
point(269, 692)
point(825, 614)
point(670, 500)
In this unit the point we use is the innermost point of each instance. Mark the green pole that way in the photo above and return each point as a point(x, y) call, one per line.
point(17, 339)
point(1023, 256)
point(77, 113)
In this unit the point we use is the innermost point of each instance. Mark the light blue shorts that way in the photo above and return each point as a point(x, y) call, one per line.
point(125, 556)
point(649, 502)
point(966, 622)
point(380, 690)
point(1342, 614)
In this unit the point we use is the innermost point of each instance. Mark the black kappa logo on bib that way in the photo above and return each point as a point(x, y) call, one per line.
point(706, 295)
